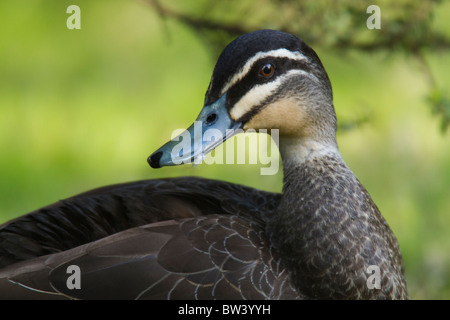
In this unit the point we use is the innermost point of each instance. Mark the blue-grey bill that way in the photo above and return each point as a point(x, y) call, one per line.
point(211, 128)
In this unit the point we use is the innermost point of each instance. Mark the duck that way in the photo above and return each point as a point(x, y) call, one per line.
point(191, 238)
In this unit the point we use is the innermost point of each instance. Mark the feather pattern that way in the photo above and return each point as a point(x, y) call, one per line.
point(184, 255)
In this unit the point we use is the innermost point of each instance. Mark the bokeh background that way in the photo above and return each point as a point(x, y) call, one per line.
point(80, 109)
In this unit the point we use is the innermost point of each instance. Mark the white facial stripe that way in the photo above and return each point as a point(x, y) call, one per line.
point(259, 93)
point(279, 53)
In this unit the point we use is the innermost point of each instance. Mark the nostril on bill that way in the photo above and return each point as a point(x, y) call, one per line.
point(211, 118)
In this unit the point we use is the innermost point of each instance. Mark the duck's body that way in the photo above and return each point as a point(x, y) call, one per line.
point(191, 238)
point(158, 226)
point(333, 234)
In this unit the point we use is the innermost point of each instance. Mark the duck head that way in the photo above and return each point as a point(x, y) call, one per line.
point(265, 79)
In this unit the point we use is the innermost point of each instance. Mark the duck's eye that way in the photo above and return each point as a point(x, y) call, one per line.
point(267, 70)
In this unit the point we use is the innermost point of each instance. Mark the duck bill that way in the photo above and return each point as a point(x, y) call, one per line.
point(211, 128)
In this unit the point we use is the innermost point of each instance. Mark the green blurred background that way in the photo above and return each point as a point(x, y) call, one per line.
point(80, 109)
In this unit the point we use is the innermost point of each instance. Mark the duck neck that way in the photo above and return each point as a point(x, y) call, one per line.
point(325, 224)
point(298, 151)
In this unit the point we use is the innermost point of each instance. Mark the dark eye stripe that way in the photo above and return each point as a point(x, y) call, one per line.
point(253, 77)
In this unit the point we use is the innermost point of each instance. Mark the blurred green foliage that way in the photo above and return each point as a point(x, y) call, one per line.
point(80, 109)
point(334, 24)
